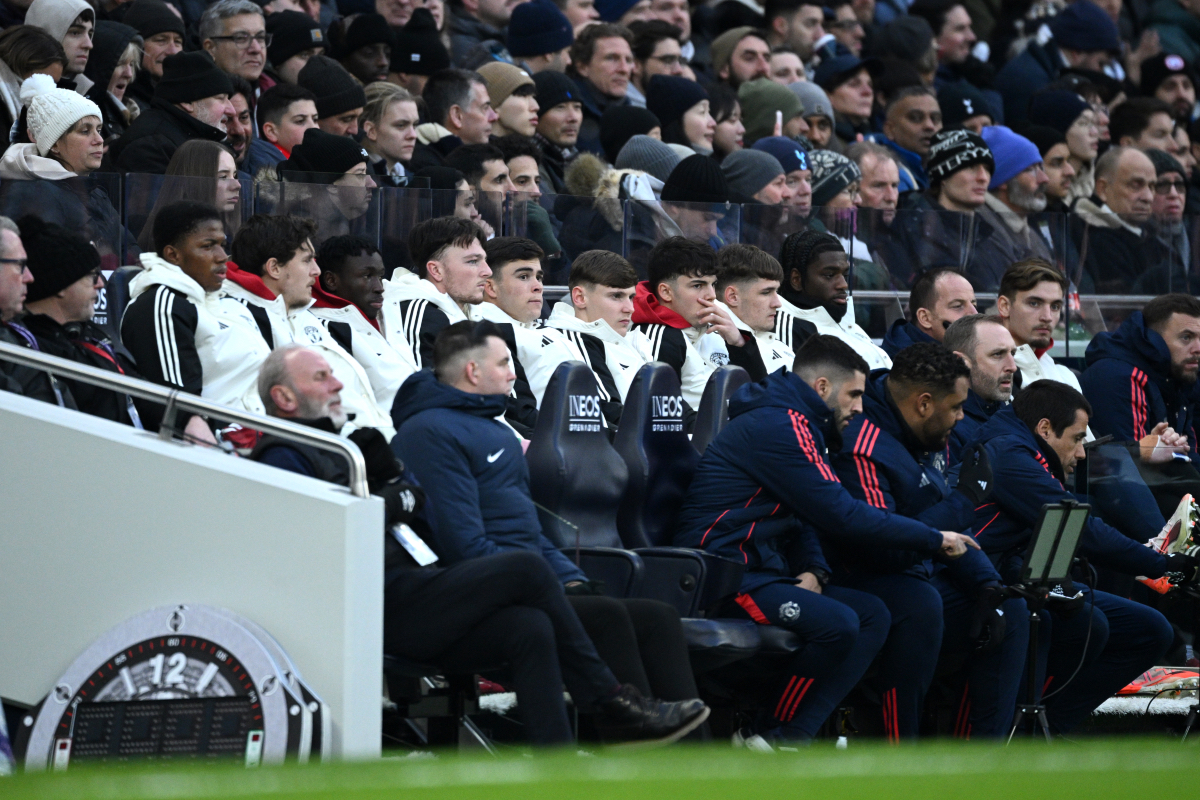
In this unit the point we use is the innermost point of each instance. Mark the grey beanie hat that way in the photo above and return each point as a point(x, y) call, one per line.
point(649, 155)
point(748, 171)
point(813, 98)
point(1164, 162)
point(831, 173)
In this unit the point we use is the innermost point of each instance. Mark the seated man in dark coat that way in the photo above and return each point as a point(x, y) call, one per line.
point(191, 101)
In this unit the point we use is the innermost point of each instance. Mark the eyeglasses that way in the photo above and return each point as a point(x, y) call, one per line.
point(242, 40)
point(96, 275)
point(670, 60)
point(843, 25)
point(21, 263)
point(1165, 186)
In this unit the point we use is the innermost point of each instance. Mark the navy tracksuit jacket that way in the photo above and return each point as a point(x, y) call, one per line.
point(883, 464)
point(761, 489)
point(901, 335)
point(1129, 384)
point(1126, 638)
point(451, 440)
point(976, 411)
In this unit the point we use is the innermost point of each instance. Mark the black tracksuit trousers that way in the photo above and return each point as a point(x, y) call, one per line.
point(501, 611)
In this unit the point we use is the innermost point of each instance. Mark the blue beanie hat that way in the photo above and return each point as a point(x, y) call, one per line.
point(1057, 109)
point(613, 10)
point(1086, 27)
point(668, 97)
point(1012, 153)
point(787, 152)
point(538, 28)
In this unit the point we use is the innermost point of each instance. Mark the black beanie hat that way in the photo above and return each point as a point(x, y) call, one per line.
point(670, 96)
point(364, 30)
point(1043, 137)
point(292, 33)
point(619, 124)
point(417, 48)
point(188, 77)
point(322, 157)
point(1157, 69)
point(960, 101)
point(109, 43)
point(554, 88)
point(336, 90)
point(951, 151)
point(57, 256)
point(151, 17)
point(696, 179)
point(1163, 163)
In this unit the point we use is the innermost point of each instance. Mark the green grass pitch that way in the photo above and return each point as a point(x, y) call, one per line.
point(1126, 768)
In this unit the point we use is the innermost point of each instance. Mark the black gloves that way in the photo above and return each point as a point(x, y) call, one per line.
point(975, 474)
point(988, 624)
point(1181, 568)
point(401, 502)
point(382, 465)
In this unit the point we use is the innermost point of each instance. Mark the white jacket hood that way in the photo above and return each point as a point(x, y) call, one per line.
point(22, 162)
point(159, 272)
point(562, 316)
point(56, 16)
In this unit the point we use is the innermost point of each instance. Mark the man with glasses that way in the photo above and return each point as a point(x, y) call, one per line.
point(845, 26)
point(234, 33)
point(1166, 220)
point(657, 50)
point(15, 278)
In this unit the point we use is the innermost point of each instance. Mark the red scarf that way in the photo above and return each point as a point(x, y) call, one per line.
point(326, 300)
point(648, 311)
point(1046, 349)
point(248, 281)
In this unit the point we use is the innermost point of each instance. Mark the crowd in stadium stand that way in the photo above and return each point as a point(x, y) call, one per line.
point(347, 214)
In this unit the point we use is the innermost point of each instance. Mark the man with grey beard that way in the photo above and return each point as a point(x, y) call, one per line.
point(1017, 190)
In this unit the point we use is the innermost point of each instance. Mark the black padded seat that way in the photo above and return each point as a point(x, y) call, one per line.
point(714, 404)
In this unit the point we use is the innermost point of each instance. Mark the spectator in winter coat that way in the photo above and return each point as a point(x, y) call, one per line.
point(540, 37)
point(938, 298)
point(560, 114)
point(1084, 37)
point(60, 303)
point(601, 65)
point(191, 101)
point(72, 23)
point(234, 33)
point(162, 31)
point(1115, 246)
point(1017, 191)
point(15, 279)
point(479, 504)
point(112, 68)
point(911, 120)
point(340, 98)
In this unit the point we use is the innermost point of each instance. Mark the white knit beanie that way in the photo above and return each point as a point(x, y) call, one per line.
point(53, 112)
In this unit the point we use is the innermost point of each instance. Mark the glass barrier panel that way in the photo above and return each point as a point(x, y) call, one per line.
point(400, 210)
point(85, 204)
point(145, 195)
point(647, 222)
point(348, 205)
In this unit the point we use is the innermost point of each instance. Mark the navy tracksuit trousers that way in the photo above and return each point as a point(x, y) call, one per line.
point(841, 630)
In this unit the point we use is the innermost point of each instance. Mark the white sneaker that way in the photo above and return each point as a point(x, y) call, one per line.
point(751, 741)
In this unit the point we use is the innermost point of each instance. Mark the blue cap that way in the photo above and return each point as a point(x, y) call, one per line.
point(538, 28)
point(833, 72)
point(787, 152)
point(1012, 152)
